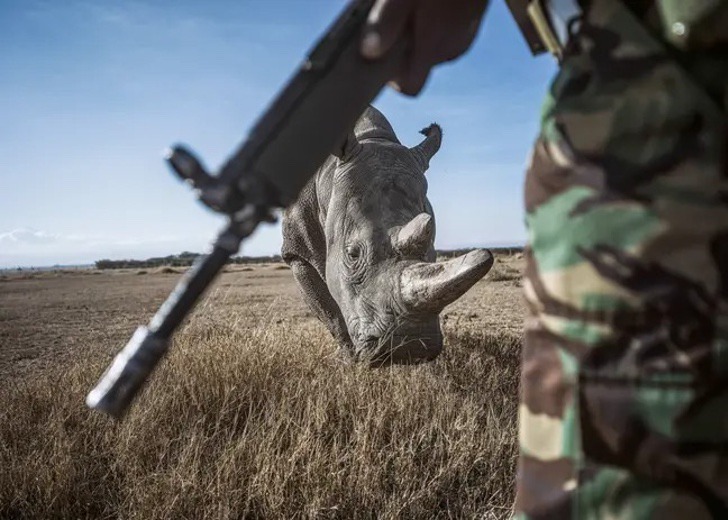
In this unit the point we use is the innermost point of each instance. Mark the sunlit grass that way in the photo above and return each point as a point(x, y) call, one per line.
point(265, 422)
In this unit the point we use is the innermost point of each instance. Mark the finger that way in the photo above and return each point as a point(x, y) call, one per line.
point(411, 81)
point(386, 21)
point(453, 48)
point(412, 78)
point(434, 45)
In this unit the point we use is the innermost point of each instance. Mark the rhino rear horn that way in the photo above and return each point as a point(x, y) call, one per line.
point(424, 151)
point(432, 286)
point(415, 238)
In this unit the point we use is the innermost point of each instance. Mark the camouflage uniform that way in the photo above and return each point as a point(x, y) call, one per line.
point(624, 406)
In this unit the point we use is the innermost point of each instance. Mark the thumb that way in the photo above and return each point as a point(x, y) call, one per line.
point(386, 21)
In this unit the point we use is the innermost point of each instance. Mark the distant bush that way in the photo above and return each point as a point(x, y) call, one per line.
point(452, 253)
point(184, 259)
point(187, 258)
point(167, 270)
point(273, 259)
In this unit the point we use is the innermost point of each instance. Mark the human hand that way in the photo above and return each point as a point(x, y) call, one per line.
point(441, 30)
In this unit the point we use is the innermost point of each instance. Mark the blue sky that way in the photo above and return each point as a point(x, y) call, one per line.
point(91, 92)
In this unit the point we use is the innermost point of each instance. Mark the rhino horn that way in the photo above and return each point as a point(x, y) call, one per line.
point(432, 286)
point(429, 146)
point(415, 237)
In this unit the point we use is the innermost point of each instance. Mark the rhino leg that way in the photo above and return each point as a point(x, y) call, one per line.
point(317, 296)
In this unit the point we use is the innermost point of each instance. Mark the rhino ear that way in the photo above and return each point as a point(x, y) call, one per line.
point(424, 151)
point(347, 148)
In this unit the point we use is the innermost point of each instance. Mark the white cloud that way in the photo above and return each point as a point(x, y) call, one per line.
point(25, 236)
point(29, 238)
point(27, 246)
point(32, 247)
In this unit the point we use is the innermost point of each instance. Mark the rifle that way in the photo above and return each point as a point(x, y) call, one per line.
point(291, 140)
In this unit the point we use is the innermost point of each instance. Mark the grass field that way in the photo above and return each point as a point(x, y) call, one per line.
point(251, 415)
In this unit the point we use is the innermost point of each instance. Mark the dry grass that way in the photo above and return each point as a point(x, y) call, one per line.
point(507, 268)
point(263, 422)
point(252, 416)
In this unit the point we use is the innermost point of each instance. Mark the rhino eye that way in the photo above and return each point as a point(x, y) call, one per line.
point(354, 264)
point(353, 253)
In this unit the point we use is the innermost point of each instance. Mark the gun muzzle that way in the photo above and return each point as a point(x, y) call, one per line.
point(188, 167)
point(127, 373)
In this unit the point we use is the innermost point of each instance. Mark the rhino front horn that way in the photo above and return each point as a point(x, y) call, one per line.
point(432, 286)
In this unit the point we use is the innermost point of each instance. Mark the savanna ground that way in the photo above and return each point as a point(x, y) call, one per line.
point(251, 415)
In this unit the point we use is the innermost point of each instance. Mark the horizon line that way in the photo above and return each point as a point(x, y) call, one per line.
point(49, 266)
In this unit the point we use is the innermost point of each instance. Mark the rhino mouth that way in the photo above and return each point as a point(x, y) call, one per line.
point(401, 348)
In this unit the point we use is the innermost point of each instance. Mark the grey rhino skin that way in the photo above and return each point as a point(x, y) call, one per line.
point(360, 243)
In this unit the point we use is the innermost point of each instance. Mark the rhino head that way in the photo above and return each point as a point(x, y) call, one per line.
point(361, 243)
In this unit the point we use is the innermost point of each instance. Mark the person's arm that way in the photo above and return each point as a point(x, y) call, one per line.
point(441, 30)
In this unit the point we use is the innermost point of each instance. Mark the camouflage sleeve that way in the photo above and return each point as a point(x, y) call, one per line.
point(624, 396)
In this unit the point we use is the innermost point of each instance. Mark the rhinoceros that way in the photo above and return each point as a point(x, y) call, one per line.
point(360, 243)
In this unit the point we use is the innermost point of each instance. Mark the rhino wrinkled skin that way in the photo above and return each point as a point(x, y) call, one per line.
point(360, 242)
